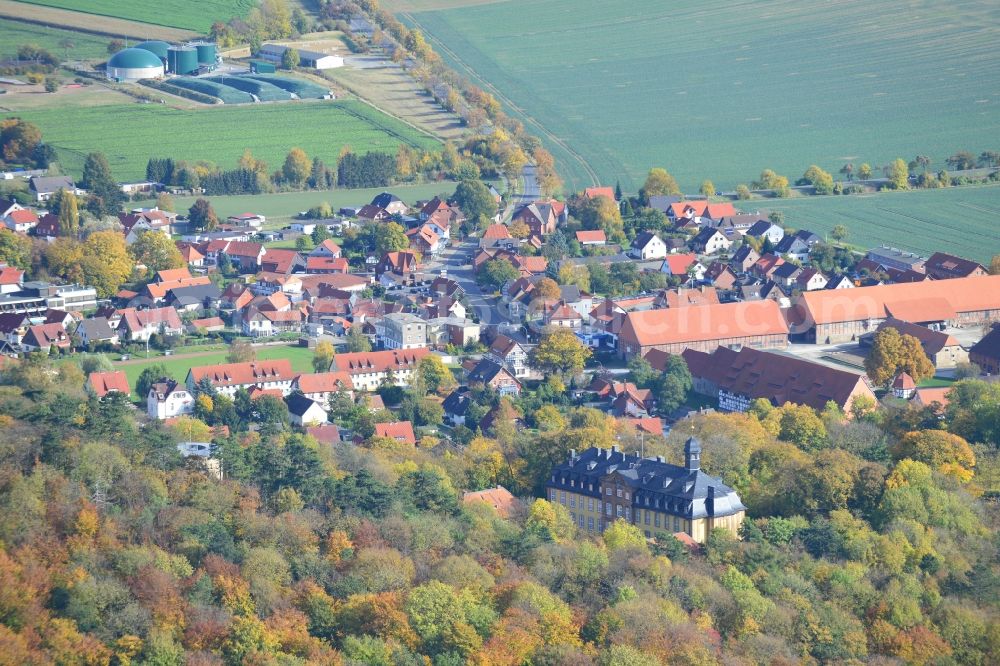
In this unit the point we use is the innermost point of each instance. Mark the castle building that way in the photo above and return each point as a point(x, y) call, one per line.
point(600, 486)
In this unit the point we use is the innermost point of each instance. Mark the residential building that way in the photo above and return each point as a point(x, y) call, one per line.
point(11, 279)
point(245, 255)
point(261, 323)
point(647, 245)
point(13, 327)
point(542, 217)
point(703, 327)
point(328, 433)
point(720, 276)
point(986, 352)
point(490, 373)
point(303, 411)
point(20, 221)
point(765, 229)
point(943, 266)
point(45, 336)
point(595, 237)
point(228, 378)
point(390, 203)
point(397, 263)
point(102, 383)
point(600, 486)
point(282, 262)
point(795, 246)
point(456, 405)
point(809, 279)
point(168, 399)
point(401, 431)
point(744, 258)
point(140, 325)
point(501, 499)
point(46, 186)
point(683, 297)
point(894, 258)
point(710, 241)
point(321, 386)
point(737, 378)
point(369, 369)
point(510, 354)
point(685, 266)
point(830, 316)
point(96, 331)
point(594, 192)
point(943, 350)
point(327, 249)
point(402, 330)
point(254, 220)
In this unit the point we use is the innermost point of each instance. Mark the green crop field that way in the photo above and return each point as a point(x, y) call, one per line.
point(130, 134)
point(284, 205)
point(177, 367)
point(197, 16)
point(961, 220)
point(14, 34)
point(724, 89)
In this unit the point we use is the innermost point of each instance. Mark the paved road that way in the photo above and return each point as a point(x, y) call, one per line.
point(529, 176)
point(457, 260)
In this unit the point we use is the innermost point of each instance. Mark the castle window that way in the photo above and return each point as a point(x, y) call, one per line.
point(619, 492)
point(618, 511)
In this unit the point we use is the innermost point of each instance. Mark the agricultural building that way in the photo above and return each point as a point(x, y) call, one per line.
point(155, 46)
point(308, 59)
point(134, 64)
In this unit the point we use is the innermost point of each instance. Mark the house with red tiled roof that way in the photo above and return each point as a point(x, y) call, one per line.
point(435, 205)
point(592, 237)
point(140, 221)
point(594, 192)
point(11, 279)
point(652, 425)
point(496, 231)
point(208, 324)
point(229, 377)
point(703, 327)
point(903, 386)
point(397, 263)
point(327, 249)
point(139, 325)
point(683, 266)
point(765, 265)
point(191, 255)
point(45, 336)
point(425, 240)
point(368, 369)
point(328, 433)
point(236, 296)
point(935, 398)
point(327, 265)
point(683, 297)
point(281, 261)
point(401, 431)
point(501, 499)
point(245, 255)
point(21, 221)
point(102, 383)
point(542, 217)
point(510, 354)
point(320, 386)
point(830, 316)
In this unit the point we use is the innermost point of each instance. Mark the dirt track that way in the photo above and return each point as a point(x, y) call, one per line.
point(92, 23)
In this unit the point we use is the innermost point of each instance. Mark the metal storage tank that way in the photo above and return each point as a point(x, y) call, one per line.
point(134, 64)
point(206, 53)
point(155, 46)
point(182, 60)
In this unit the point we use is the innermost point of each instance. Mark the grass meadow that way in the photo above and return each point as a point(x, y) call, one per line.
point(722, 90)
point(14, 34)
point(129, 134)
point(197, 16)
point(959, 220)
point(178, 366)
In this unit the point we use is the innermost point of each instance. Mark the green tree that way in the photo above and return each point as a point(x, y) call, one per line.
point(201, 216)
point(743, 192)
point(105, 194)
point(297, 166)
point(659, 182)
point(551, 521)
point(106, 262)
point(475, 200)
point(621, 534)
point(114, 46)
point(241, 351)
point(156, 251)
point(893, 353)
point(290, 59)
point(994, 267)
point(357, 341)
point(962, 160)
point(390, 237)
point(602, 213)
point(435, 374)
point(839, 233)
point(322, 356)
point(801, 425)
point(819, 179)
point(865, 171)
point(15, 249)
point(673, 386)
point(69, 214)
point(497, 272)
point(560, 351)
point(947, 453)
point(147, 377)
point(707, 188)
point(165, 202)
point(898, 175)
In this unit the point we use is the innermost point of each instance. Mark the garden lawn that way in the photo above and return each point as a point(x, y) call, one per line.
point(130, 134)
point(724, 89)
point(958, 220)
point(177, 366)
point(197, 16)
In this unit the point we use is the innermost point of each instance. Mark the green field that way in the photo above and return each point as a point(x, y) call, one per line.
point(14, 34)
point(197, 16)
point(300, 357)
point(130, 134)
point(285, 205)
point(724, 89)
point(960, 220)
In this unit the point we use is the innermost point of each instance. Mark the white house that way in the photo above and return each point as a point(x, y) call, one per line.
point(247, 220)
point(648, 245)
point(711, 241)
point(304, 412)
point(321, 386)
point(228, 378)
point(167, 399)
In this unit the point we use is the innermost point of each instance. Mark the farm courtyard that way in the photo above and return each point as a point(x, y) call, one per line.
point(725, 89)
